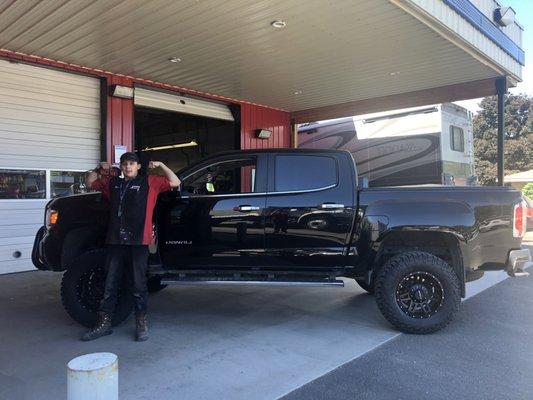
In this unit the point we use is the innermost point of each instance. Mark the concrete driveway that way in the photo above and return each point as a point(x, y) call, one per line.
point(207, 343)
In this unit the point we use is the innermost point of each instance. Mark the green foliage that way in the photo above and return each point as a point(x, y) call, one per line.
point(518, 141)
point(527, 190)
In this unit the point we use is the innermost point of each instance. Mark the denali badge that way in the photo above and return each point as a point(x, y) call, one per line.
point(178, 242)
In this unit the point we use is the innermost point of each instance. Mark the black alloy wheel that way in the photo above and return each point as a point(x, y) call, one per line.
point(420, 294)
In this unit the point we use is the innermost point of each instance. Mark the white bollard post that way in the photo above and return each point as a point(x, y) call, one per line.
point(93, 377)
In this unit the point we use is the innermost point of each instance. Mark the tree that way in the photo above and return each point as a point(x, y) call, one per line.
point(518, 139)
point(527, 190)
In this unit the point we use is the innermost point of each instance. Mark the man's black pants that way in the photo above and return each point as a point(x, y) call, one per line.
point(131, 263)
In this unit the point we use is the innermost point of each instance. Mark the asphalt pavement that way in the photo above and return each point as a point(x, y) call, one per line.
point(485, 353)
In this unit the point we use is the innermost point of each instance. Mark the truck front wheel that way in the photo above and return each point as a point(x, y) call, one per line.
point(417, 292)
point(82, 288)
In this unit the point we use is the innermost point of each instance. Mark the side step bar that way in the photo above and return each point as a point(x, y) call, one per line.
point(199, 282)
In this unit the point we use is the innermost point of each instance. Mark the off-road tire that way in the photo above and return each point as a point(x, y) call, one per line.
point(82, 287)
point(404, 265)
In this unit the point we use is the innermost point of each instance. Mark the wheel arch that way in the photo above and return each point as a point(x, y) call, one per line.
point(78, 241)
point(443, 244)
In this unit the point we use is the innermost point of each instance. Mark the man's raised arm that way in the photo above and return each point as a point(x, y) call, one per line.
point(102, 183)
point(173, 180)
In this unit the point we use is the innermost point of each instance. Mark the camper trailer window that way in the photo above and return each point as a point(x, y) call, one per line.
point(457, 138)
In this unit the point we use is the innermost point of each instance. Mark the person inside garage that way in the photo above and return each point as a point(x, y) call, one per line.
point(132, 199)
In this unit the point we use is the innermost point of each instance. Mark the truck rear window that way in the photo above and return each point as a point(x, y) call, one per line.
point(304, 172)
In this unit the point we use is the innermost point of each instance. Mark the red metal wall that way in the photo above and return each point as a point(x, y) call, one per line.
point(255, 117)
point(119, 118)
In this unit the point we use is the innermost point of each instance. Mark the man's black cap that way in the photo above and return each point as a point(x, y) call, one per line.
point(129, 156)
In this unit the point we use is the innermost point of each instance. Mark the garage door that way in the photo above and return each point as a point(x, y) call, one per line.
point(49, 134)
point(186, 105)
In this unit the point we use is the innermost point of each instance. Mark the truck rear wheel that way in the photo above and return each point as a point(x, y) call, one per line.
point(82, 289)
point(417, 292)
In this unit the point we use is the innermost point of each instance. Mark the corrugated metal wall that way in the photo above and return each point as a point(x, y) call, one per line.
point(49, 121)
point(256, 117)
point(48, 118)
point(119, 118)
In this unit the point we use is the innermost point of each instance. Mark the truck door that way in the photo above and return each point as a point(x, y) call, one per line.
point(309, 208)
point(217, 219)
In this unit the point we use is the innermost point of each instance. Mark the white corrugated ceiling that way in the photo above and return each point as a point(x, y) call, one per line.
point(331, 51)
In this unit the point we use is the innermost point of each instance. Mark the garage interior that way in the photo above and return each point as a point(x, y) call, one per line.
point(179, 130)
point(180, 139)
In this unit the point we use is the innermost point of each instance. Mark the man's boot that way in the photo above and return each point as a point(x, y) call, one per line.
point(102, 328)
point(141, 327)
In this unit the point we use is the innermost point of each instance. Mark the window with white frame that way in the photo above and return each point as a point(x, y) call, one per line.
point(22, 184)
point(457, 138)
point(41, 184)
point(65, 183)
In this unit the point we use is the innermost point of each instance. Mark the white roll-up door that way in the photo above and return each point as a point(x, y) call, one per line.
point(49, 130)
point(171, 102)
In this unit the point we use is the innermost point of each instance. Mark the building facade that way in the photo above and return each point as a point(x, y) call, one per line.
point(82, 82)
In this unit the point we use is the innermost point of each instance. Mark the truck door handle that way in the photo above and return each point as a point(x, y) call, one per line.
point(245, 208)
point(330, 206)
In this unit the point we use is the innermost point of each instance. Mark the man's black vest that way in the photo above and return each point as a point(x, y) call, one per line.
point(128, 210)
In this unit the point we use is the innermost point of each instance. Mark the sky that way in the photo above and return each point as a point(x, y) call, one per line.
point(524, 15)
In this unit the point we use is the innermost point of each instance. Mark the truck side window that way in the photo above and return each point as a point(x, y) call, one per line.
point(228, 177)
point(304, 172)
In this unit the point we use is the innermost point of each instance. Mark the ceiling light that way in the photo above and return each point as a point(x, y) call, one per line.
point(297, 92)
point(395, 73)
point(174, 59)
point(279, 24)
point(171, 146)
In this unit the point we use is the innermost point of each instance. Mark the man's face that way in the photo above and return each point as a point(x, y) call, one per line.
point(130, 169)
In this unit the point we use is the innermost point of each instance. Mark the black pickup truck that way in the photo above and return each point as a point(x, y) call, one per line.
point(298, 217)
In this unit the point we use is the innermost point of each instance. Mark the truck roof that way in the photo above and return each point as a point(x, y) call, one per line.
point(281, 151)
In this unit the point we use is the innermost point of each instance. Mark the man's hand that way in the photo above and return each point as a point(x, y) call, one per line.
point(171, 176)
point(155, 164)
point(104, 168)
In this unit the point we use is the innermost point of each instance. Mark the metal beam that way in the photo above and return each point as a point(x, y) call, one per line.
point(501, 89)
point(443, 94)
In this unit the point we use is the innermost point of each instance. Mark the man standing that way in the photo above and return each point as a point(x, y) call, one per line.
point(129, 233)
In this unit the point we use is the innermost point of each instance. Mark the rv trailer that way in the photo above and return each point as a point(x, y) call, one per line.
point(414, 146)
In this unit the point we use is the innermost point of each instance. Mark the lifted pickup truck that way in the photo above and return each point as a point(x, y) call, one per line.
point(298, 217)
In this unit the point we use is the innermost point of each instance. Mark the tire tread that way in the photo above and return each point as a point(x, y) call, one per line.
point(395, 264)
